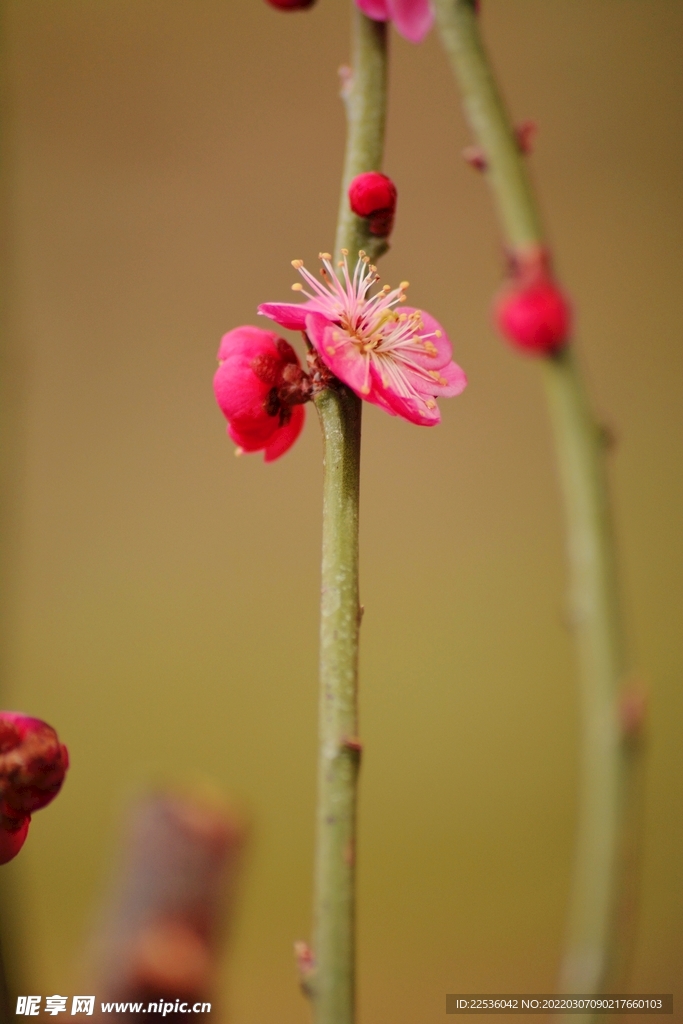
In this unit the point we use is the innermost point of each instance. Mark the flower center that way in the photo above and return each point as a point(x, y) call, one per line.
point(394, 342)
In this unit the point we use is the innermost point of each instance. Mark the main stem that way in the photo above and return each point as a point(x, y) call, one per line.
point(331, 982)
point(590, 548)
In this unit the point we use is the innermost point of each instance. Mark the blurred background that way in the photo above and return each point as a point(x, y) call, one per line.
point(163, 161)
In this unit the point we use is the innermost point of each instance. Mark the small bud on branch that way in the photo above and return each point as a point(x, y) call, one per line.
point(530, 310)
point(373, 195)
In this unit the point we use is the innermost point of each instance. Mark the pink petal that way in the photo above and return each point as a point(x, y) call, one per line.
point(284, 437)
point(444, 349)
point(290, 315)
point(414, 409)
point(412, 18)
point(339, 354)
point(253, 435)
point(452, 374)
point(375, 9)
point(247, 341)
point(239, 392)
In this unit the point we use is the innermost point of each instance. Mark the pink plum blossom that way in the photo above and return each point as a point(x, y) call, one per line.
point(412, 18)
point(259, 386)
point(33, 764)
point(399, 360)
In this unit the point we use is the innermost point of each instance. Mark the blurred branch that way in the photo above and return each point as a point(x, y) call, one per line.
point(593, 937)
point(160, 940)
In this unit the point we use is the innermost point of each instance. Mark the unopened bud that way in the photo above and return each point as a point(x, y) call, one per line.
point(291, 5)
point(373, 195)
point(33, 764)
point(531, 310)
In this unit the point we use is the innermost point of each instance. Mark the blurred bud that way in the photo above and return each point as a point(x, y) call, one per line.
point(530, 310)
point(33, 764)
point(632, 710)
point(291, 5)
point(12, 837)
point(525, 135)
point(373, 195)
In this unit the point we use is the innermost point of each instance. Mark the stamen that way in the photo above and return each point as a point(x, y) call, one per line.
point(324, 256)
point(297, 287)
point(297, 264)
point(344, 252)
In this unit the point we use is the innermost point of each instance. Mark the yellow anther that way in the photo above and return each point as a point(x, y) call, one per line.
point(297, 264)
point(297, 287)
point(361, 253)
point(324, 256)
point(341, 263)
point(430, 403)
point(344, 252)
point(438, 334)
point(373, 269)
point(404, 284)
point(402, 298)
point(431, 349)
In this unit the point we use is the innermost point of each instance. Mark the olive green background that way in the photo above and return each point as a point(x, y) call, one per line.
point(164, 160)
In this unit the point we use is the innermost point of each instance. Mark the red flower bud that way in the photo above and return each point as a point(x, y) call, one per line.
point(531, 311)
point(291, 5)
point(33, 764)
point(373, 195)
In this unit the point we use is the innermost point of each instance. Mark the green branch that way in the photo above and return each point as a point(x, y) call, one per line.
point(590, 546)
point(330, 979)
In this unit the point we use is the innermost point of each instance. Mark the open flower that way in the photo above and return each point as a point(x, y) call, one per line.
point(33, 764)
point(259, 387)
point(412, 18)
point(394, 356)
